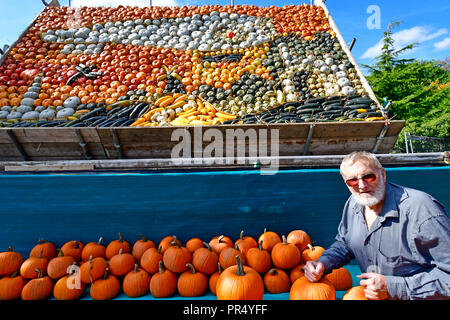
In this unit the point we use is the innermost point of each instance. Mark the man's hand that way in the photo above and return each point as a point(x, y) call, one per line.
point(374, 284)
point(314, 270)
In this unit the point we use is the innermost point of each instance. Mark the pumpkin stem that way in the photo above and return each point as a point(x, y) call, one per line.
point(120, 251)
point(60, 253)
point(136, 268)
point(273, 271)
point(41, 253)
point(241, 236)
point(120, 237)
point(161, 267)
point(265, 230)
point(236, 247)
point(143, 238)
point(10, 249)
point(260, 245)
point(175, 243)
point(159, 249)
point(105, 275)
point(206, 244)
point(220, 238)
point(100, 241)
point(310, 247)
point(219, 268)
point(76, 245)
point(284, 239)
point(190, 266)
point(40, 241)
point(240, 267)
point(15, 274)
point(39, 272)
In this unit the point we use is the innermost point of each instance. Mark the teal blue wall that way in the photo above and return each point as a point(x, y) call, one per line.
point(63, 207)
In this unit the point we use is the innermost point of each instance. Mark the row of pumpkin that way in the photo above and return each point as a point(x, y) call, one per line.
point(240, 270)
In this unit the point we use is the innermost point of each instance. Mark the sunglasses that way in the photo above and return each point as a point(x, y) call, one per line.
point(353, 182)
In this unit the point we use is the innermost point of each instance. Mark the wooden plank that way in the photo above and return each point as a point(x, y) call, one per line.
point(33, 135)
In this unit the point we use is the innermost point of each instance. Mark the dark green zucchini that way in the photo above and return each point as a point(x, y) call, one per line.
point(98, 121)
point(73, 122)
point(368, 114)
point(96, 112)
point(137, 109)
point(127, 122)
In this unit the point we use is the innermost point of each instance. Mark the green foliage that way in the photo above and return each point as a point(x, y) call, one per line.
point(419, 90)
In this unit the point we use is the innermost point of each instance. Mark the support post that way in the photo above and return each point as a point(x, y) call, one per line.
point(308, 139)
point(17, 145)
point(117, 143)
point(83, 145)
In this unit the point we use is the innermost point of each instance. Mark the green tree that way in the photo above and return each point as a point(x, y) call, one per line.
point(419, 90)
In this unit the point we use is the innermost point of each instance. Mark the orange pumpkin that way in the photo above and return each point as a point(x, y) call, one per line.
point(141, 246)
point(176, 257)
point(163, 284)
point(245, 243)
point(92, 269)
point(205, 260)
point(300, 238)
point(212, 282)
point(166, 243)
point(219, 243)
point(69, 287)
point(105, 288)
point(193, 244)
point(302, 289)
point(10, 262)
point(227, 257)
point(121, 264)
point(73, 248)
point(296, 272)
point(270, 239)
point(45, 249)
point(192, 283)
point(239, 282)
point(277, 281)
point(57, 267)
point(11, 286)
point(94, 250)
point(150, 260)
point(340, 278)
point(285, 255)
point(312, 253)
point(355, 293)
point(39, 288)
point(136, 282)
point(259, 259)
point(28, 267)
point(114, 247)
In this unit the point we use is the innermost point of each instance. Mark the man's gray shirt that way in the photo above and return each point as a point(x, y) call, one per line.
point(409, 243)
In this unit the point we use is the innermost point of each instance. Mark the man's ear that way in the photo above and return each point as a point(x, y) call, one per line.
point(383, 172)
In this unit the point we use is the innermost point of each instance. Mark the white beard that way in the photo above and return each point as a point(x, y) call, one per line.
point(369, 200)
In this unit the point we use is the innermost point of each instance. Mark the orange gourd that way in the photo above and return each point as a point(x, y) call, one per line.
point(163, 284)
point(11, 286)
point(73, 248)
point(300, 238)
point(205, 260)
point(45, 249)
point(57, 267)
point(355, 293)
point(39, 288)
point(259, 259)
point(192, 283)
point(227, 257)
point(28, 267)
point(193, 244)
point(136, 282)
point(296, 272)
point(10, 262)
point(270, 239)
point(121, 264)
point(140, 246)
point(105, 288)
point(94, 250)
point(221, 242)
point(285, 255)
point(245, 243)
point(312, 253)
point(114, 247)
point(340, 278)
point(212, 282)
point(92, 269)
point(69, 287)
point(150, 260)
point(277, 281)
point(302, 289)
point(176, 257)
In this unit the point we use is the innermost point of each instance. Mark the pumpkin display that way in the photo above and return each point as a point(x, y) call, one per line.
point(92, 269)
point(285, 255)
point(192, 283)
point(212, 281)
point(205, 259)
point(38, 288)
point(193, 244)
point(94, 250)
point(245, 243)
point(277, 281)
point(105, 288)
point(355, 293)
point(269, 239)
point(296, 272)
point(259, 259)
point(302, 289)
point(121, 263)
point(28, 267)
point(58, 266)
point(115, 246)
point(163, 284)
point(44, 249)
point(218, 243)
point(73, 248)
point(239, 282)
point(11, 286)
point(227, 257)
point(312, 253)
point(150, 260)
point(140, 246)
point(69, 287)
point(176, 257)
point(300, 238)
point(136, 282)
point(340, 278)
point(10, 262)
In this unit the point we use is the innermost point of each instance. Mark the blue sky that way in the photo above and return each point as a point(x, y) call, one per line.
point(426, 22)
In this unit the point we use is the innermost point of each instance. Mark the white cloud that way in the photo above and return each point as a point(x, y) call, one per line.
point(442, 45)
point(115, 3)
point(404, 37)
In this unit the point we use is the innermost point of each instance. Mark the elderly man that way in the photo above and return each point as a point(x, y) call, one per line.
point(399, 236)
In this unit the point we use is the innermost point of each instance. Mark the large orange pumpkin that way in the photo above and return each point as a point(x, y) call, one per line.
point(92, 269)
point(141, 246)
point(239, 282)
point(45, 249)
point(221, 242)
point(205, 260)
point(312, 253)
point(245, 243)
point(163, 284)
point(176, 257)
point(114, 247)
point(69, 287)
point(192, 283)
point(136, 282)
point(227, 256)
point(277, 281)
point(39, 288)
point(105, 288)
point(11, 286)
point(300, 238)
point(270, 239)
point(94, 249)
point(302, 289)
point(259, 259)
point(10, 262)
point(285, 255)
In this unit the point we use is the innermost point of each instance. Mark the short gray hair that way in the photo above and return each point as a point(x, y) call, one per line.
point(357, 155)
